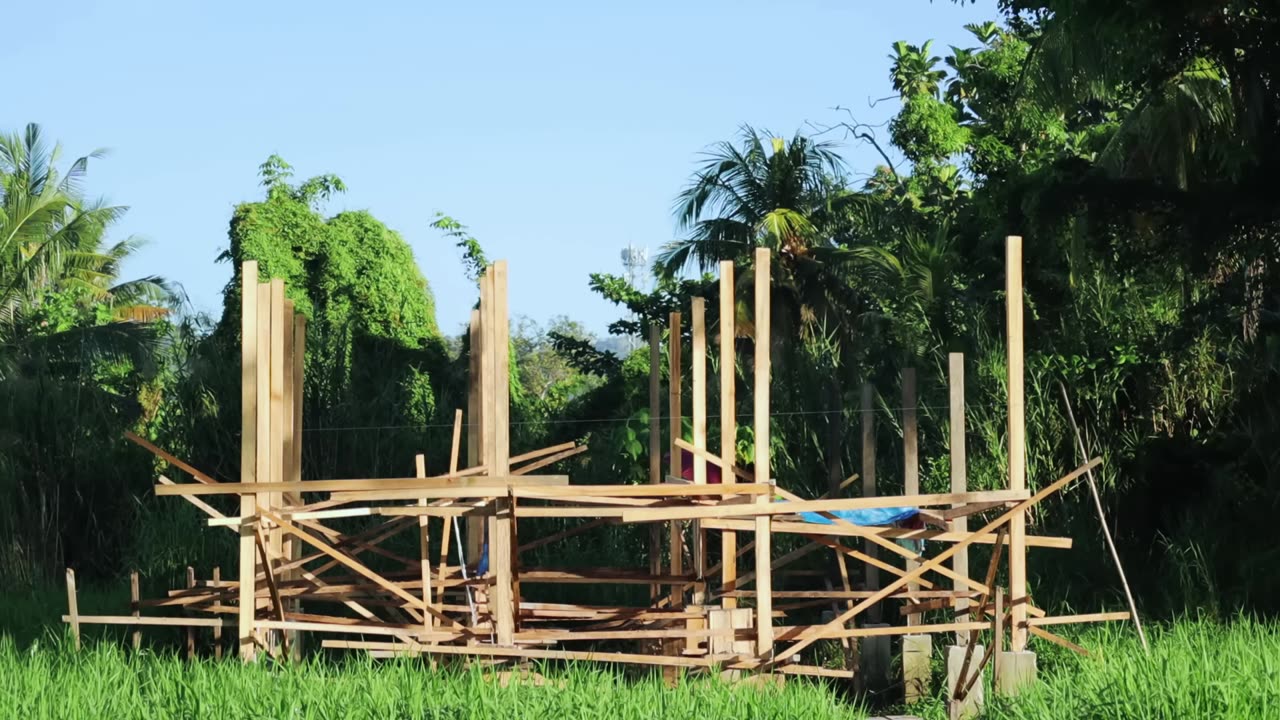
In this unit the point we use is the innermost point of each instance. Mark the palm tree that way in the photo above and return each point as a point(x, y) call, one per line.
point(52, 247)
point(788, 196)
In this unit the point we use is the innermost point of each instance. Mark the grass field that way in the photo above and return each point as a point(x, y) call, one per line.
point(1196, 669)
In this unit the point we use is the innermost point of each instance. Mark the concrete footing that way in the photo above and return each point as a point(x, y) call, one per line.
point(971, 705)
point(917, 651)
point(873, 661)
point(1014, 671)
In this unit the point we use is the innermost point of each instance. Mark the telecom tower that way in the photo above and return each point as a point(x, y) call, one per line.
point(636, 263)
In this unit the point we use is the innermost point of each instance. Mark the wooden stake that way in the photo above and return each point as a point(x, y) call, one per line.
point(1017, 442)
point(997, 641)
point(764, 540)
point(217, 631)
point(728, 423)
point(191, 632)
point(424, 561)
point(475, 427)
point(73, 608)
point(910, 459)
point(869, 482)
point(655, 449)
point(248, 452)
point(135, 608)
point(959, 473)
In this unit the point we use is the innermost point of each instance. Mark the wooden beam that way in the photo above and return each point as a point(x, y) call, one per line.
point(795, 507)
point(1073, 619)
point(959, 473)
point(939, 560)
point(549, 460)
point(867, 409)
point(698, 361)
point(910, 458)
point(195, 622)
point(169, 458)
point(1017, 441)
point(760, 424)
point(475, 419)
point(432, 487)
point(655, 448)
point(248, 451)
point(676, 426)
point(537, 654)
point(424, 538)
point(502, 526)
point(892, 533)
point(728, 422)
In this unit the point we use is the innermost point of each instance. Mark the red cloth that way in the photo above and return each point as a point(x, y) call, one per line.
point(686, 468)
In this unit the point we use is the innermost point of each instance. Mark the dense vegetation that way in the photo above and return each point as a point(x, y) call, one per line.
point(1129, 143)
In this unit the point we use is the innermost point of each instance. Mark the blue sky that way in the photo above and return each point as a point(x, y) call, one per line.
point(558, 131)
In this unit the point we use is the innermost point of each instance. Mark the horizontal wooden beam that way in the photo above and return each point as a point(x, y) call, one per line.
point(431, 487)
point(537, 654)
point(806, 528)
point(833, 505)
point(1085, 618)
point(164, 621)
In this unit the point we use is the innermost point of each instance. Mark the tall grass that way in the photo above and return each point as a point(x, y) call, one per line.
point(108, 682)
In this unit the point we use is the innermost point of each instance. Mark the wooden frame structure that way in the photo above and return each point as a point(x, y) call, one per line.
point(300, 572)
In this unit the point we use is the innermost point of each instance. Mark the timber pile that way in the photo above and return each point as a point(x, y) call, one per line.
point(299, 573)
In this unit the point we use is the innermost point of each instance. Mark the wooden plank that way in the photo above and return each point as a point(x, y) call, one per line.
point(655, 448)
point(248, 451)
point(535, 454)
point(147, 620)
point(73, 608)
point(299, 391)
point(910, 458)
point(262, 498)
point(1084, 618)
point(698, 363)
point(281, 367)
point(191, 632)
point(170, 458)
point(501, 562)
point(135, 606)
point(728, 421)
point(475, 434)
point(217, 631)
point(938, 560)
point(760, 426)
point(840, 530)
point(550, 460)
point(867, 409)
point(675, 422)
point(798, 506)
point(286, 436)
point(959, 472)
point(1017, 440)
point(424, 538)
point(447, 486)
point(537, 654)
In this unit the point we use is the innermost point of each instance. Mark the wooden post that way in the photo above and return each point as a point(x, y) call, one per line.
point(278, 365)
point(869, 485)
point(675, 467)
point(728, 424)
point(217, 629)
point(997, 640)
point(476, 424)
point(764, 540)
point(698, 360)
point(655, 449)
point(73, 608)
point(298, 356)
point(424, 538)
point(959, 476)
point(191, 632)
point(135, 607)
point(248, 453)
point(500, 558)
point(910, 459)
point(1017, 444)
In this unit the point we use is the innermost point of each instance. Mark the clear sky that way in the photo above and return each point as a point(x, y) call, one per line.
point(558, 131)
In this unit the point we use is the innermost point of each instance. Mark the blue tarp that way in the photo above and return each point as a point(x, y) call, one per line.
point(870, 516)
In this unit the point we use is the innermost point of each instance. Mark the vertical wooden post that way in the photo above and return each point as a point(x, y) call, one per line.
point(424, 542)
point(1017, 445)
point(674, 466)
point(191, 632)
point(217, 629)
point(281, 367)
point(448, 523)
point(135, 607)
point(655, 450)
point(910, 460)
point(298, 356)
point(476, 423)
point(997, 641)
point(728, 424)
point(698, 360)
point(764, 526)
point(73, 607)
point(262, 500)
point(959, 476)
point(500, 558)
point(286, 420)
point(869, 486)
point(248, 453)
